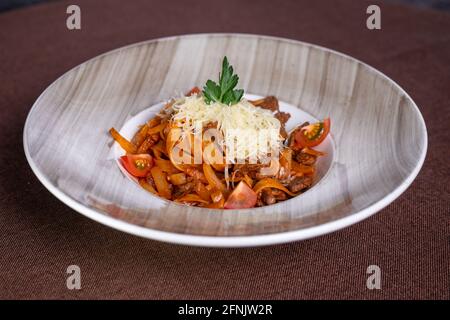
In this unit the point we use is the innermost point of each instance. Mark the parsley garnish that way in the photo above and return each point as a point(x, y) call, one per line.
point(223, 92)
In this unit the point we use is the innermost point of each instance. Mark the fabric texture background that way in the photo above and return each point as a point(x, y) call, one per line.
point(40, 236)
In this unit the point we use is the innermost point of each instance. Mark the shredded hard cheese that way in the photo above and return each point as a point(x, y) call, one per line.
point(249, 132)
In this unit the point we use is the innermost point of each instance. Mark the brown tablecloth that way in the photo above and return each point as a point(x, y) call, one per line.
point(40, 236)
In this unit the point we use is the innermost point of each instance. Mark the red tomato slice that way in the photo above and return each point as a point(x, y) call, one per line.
point(242, 197)
point(313, 134)
point(194, 90)
point(137, 165)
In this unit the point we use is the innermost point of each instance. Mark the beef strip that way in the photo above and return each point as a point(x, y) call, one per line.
point(259, 201)
point(305, 158)
point(300, 183)
point(279, 195)
point(267, 196)
point(283, 117)
point(270, 103)
point(270, 196)
point(184, 189)
point(252, 170)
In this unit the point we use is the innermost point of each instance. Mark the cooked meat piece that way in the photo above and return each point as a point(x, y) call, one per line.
point(187, 187)
point(183, 189)
point(300, 183)
point(267, 196)
point(270, 103)
point(259, 201)
point(196, 174)
point(283, 117)
point(279, 195)
point(252, 170)
point(305, 159)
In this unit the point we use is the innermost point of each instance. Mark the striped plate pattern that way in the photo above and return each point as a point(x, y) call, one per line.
point(379, 136)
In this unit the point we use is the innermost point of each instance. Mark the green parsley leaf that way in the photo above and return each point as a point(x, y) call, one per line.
point(211, 91)
point(223, 92)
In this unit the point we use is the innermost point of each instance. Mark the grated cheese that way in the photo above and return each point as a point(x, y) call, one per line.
point(249, 132)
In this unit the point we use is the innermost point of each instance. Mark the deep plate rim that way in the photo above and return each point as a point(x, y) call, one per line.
point(232, 241)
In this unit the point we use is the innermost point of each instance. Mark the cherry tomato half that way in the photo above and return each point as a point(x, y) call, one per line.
point(137, 165)
point(242, 197)
point(313, 134)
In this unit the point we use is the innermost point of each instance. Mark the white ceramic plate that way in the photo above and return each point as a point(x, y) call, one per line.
point(377, 145)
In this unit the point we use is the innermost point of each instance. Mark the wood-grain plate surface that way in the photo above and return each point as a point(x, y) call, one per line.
point(379, 134)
